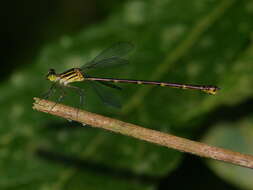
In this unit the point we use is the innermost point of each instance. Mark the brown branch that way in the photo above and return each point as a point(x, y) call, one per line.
point(163, 139)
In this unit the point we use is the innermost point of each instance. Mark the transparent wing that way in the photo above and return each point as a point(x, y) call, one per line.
point(105, 94)
point(111, 56)
point(109, 84)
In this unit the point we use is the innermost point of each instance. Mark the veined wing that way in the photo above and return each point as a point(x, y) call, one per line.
point(107, 96)
point(112, 56)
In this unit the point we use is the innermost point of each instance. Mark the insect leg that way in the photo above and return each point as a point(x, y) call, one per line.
point(63, 94)
point(49, 92)
point(81, 94)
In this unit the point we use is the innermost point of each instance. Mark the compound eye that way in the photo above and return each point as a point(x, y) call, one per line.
point(51, 71)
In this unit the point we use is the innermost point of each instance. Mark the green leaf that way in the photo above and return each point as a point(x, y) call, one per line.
point(237, 136)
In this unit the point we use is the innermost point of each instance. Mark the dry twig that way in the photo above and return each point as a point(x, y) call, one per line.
point(163, 139)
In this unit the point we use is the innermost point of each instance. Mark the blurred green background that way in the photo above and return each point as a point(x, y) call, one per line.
point(196, 42)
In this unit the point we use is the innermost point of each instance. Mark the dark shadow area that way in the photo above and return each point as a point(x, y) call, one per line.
point(66, 126)
point(193, 174)
point(91, 166)
point(226, 114)
point(231, 113)
point(223, 113)
point(28, 25)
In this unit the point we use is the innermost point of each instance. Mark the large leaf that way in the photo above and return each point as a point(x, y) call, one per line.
point(178, 41)
point(238, 137)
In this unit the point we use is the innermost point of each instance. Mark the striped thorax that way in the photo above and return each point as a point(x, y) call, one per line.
point(69, 76)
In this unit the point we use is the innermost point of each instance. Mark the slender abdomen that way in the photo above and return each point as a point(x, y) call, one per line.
point(205, 88)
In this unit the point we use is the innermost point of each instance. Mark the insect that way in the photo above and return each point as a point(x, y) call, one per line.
point(113, 56)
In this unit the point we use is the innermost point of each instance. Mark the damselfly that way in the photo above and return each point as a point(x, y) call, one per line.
point(112, 56)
